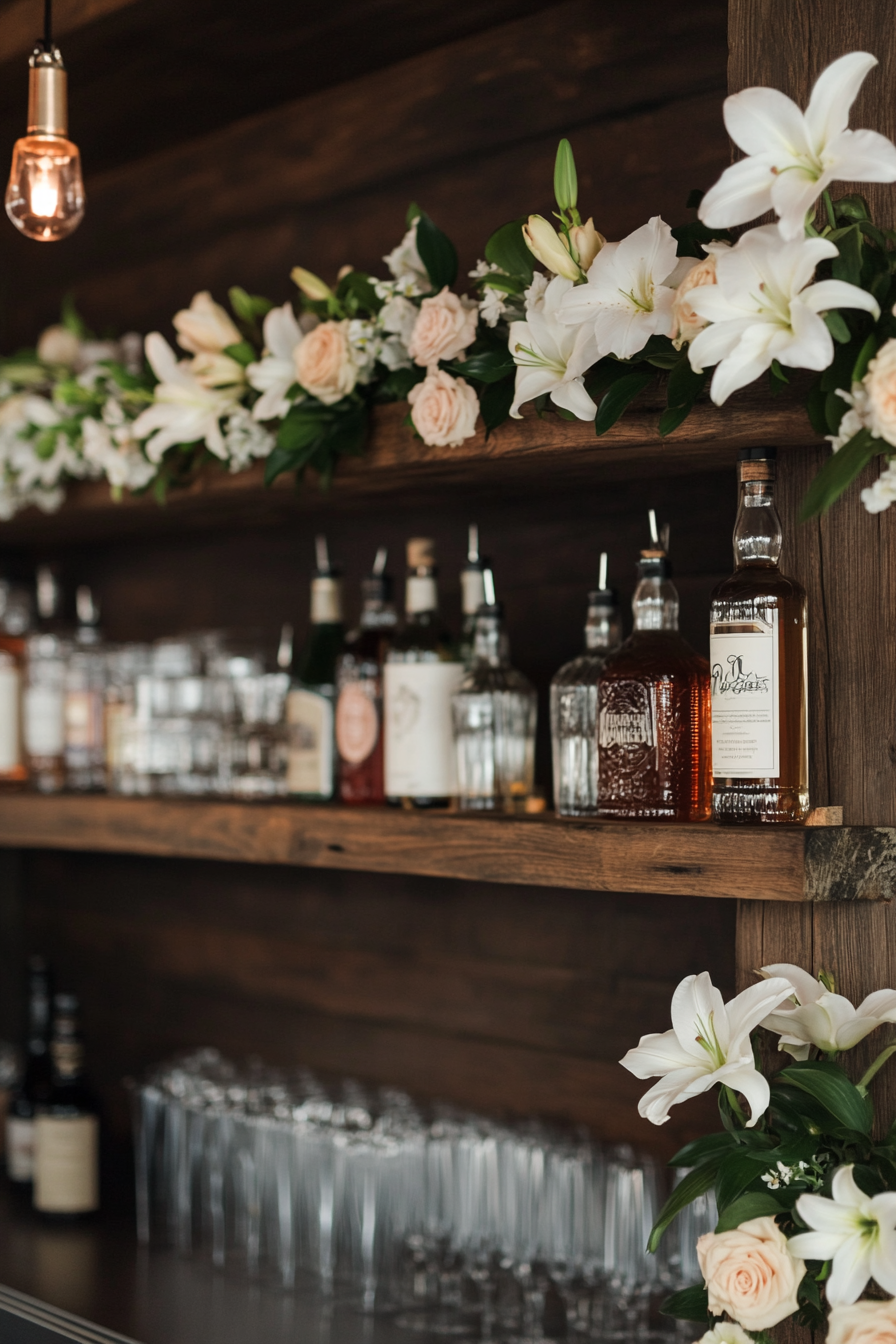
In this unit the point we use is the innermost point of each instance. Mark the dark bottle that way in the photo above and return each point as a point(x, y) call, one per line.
point(422, 672)
point(85, 691)
point(359, 691)
point(760, 750)
point(653, 711)
point(15, 622)
point(34, 1086)
point(472, 594)
point(43, 701)
point(310, 704)
point(67, 1126)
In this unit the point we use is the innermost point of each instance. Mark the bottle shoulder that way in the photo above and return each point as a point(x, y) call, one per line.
point(652, 653)
point(483, 679)
point(582, 671)
point(752, 581)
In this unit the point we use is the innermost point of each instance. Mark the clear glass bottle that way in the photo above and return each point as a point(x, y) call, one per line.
point(359, 684)
point(760, 749)
point(494, 713)
point(43, 702)
point(310, 705)
point(67, 1126)
point(85, 686)
point(15, 622)
point(653, 712)
point(34, 1084)
point(422, 672)
point(472, 594)
point(574, 705)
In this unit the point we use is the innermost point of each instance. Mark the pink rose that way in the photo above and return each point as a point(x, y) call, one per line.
point(880, 384)
point(863, 1323)
point(444, 410)
point(750, 1273)
point(445, 326)
point(686, 324)
point(324, 364)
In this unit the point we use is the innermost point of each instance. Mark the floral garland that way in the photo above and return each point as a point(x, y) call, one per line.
point(583, 338)
point(806, 1194)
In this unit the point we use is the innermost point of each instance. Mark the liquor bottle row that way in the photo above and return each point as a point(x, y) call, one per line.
point(52, 1120)
point(406, 713)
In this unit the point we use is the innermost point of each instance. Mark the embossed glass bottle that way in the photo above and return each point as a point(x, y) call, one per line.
point(757, 644)
point(574, 705)
point(653, 712)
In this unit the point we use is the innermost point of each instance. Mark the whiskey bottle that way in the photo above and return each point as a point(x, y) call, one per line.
point(310, 704)
point(359, 688)
point(653, 711)
point(472, 594)
point(574, 705)
point(34, 1085)
point(85, 686)
point(43, 701)
point(66, 1127)
point(15, 622)
point(760, 753)
point(494, 712)
point(421, 674)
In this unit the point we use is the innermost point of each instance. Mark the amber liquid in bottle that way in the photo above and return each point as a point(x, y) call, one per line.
point(653, 713)
point(759, 668)
point(359, 693)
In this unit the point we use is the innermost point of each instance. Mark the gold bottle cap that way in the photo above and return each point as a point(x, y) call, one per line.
point(758, 469)
point(421, 553)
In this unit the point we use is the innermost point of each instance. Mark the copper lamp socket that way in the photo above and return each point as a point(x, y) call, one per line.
point(47, 94)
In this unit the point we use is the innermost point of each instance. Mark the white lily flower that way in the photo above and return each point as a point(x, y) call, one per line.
point(821, 1018)
point(116, 454)
point(183, 411)
point(629, 292)
point(764, 307)
point(854, 1230)
point(794, 156)
point(406, 266)
point(709, 1043)
point(550, 356)
point(205, 327)
point(275, 373)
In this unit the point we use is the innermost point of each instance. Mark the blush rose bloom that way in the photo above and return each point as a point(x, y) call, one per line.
point(750, 1274)
point(445, 326)
point(444, 410)
point(880, 384)
point(686, 323)
point(325, 366)
point(863, 1323)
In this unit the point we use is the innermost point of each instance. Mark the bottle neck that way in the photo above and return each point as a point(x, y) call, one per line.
point(655, 605)
point(377, 615)
point(421, 596)
point(490, 643)
point(757, 531)
point(472, 590)
point(67, 1053)
point(603, 628)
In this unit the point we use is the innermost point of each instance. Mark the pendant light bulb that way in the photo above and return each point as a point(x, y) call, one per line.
point(45, 194)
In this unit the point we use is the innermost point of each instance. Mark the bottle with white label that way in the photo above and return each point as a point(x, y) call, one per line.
point(34, 1084)
point(758, 654)
point(43, 703)
point(422, 672)
point(310, 704)
point(472, 594)
point(67, 1126)
point(15, 622)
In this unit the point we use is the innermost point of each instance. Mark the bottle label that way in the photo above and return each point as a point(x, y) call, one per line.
point(357, 720)
point(44, 721)
point(420, 758)
point(626, 717)
point(745, 700)
point(310, 753)
point(83, 719)
point(19, 1148)
point(66, 1164)
point(10, 732)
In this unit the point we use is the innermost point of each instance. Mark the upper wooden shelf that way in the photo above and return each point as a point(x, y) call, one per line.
point(785, 864)
point(527, 456)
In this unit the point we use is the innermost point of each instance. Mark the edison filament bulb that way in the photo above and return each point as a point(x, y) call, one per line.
point(45, 195)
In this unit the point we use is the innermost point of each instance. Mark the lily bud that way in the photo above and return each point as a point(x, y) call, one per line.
point(544, 242)
point(566, 183)
point(587, 242)
point(311, 286)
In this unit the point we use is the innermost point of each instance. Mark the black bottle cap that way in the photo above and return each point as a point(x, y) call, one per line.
point(654, 565)
point(603, 597)
point(66, 1004)
point(758, 454)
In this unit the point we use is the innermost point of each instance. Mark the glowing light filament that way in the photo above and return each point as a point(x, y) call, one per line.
point(45, 190)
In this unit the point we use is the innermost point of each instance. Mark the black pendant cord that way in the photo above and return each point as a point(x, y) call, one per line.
point(48, 25)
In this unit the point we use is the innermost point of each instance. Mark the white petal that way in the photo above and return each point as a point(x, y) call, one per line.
point(850, 1271)
point(828, 294)
point(742, 192)
point(573, 397)
point(794, 194)
point(746, 1011)
point(282, 332)
point(695, 1003)
point(650, 249)
point(834, 94)
point(750, 358)
point(806, 987)
point(715, 342)
point(817, 1245)
point(766, 121)
point(754, 1087)
point(863, 156)
point(881, 1004)
point(883, 1259)
point(845, 1190)
point(161, 358)
point(658, 1054)
point(810, 347)
point(675, 1087)
point(531, 383)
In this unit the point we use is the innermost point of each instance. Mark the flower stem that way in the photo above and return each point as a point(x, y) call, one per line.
point(829, 207)
point(874, 1066)
point(733, 1102)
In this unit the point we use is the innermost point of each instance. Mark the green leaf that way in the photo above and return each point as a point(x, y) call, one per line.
point(72, 319)
point(754, 1205)
point(495, 402)
point(685, 385)
point(672, 417)
point(278, 461)
point(864, 358)
point(697, 1182)
point(397, 384)
point(243, 353)
point(620, 395)
point(689, 1304)
point(698, 1151)
point(355, 290)
point(566, 182)
point(302, 425)
point(836, 325)
point(853, 207)
point(487, 366)
point(437, 252)
point(248, 307)
point(838, 473)
point(815, 409)
point(695, 196)
point(412, 215)
point(507, 248)
point(737, 1173)
point(848, 263)
point(827, 1082)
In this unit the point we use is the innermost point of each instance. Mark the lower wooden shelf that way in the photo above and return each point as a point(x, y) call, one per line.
point(836, 863)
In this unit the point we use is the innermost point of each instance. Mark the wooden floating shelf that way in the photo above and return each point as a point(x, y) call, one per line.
point(530, 455)
point(836, 863)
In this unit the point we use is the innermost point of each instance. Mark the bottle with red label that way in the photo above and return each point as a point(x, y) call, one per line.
point(359, 691)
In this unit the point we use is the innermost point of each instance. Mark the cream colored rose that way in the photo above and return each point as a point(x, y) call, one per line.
point(325, 367)
point(686, 324)
point(205, 326)
point(863, 1323)
point(880, 384)
point(58, 345)
point(726, 1332)
point(444, 410)
point(445, 326)
point(750, 1274)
